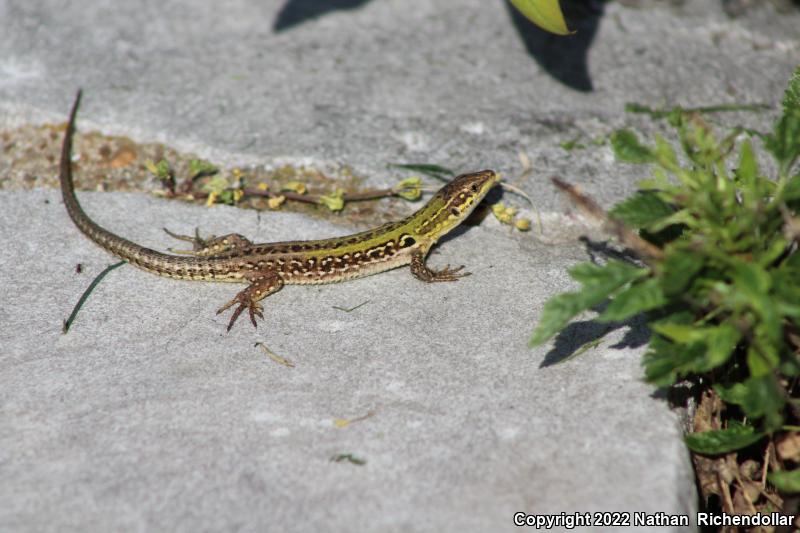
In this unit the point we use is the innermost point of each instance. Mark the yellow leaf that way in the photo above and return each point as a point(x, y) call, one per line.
point(504, 214)
point(275, 202)
point(409, 188)
point(544, 13)
point(212, 197)
point(295, 186)
point(334, 201)
point(263, 186)
point(523, 224)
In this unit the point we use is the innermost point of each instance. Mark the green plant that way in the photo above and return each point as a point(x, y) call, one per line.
point(717, 234)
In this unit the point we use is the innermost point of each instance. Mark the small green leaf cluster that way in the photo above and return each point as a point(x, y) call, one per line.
point(723, 299)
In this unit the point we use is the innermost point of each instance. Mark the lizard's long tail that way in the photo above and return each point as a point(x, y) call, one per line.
point(150, 260)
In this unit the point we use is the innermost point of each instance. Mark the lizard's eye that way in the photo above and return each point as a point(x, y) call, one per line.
point(455, 211)
point(474, 187)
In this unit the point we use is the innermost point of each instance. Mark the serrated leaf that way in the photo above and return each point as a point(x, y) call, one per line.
point(678, 271)
point(758, 397)
point(758, 364)
point(679, 333)
point(544, 13)
point(637, 298)
point(718, 441)
point(747, 172)
point(682, 217)
point(791, 190)
point(721, 341)
point(664, 362)
point(786, 481)
point(613, 274)
point(750, 279)
point(557, 313)
point(784, 142)
point(598, 283)
point(791, 98)
point(641, 210)
point(664, 153)
point(628, 149)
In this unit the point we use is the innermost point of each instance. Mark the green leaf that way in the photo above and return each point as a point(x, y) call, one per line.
point(544, 13)
point(217, 184)
point(635, 299)
point(434, 171)
point(748, 166)
point(792, 189)
point(678, 271)
point(161, 170)
point(784, 142)
point(791, 98)
point(758, 397)
point(612, 275)
point(598, 283)
point(664, 362)
point(628, 149)
point(714, 442)
point(750, 279)
point(679, 333)
point(199, 167)
point(641, 210)
point(786, 481)
point(758, 363)
point(557, 312)
point(721, 342)
point(665, 154)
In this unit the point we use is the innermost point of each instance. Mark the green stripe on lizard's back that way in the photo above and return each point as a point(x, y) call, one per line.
point(268, 266)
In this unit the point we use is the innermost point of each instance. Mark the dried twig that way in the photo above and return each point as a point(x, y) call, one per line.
point(645, 250)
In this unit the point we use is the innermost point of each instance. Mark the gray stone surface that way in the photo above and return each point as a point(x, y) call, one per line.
point(147, 416)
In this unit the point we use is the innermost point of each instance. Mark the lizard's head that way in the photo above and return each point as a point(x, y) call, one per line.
point(456, 200)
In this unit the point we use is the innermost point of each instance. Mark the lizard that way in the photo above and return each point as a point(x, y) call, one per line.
point(267, 267)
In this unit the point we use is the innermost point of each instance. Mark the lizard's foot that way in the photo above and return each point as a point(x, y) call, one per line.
point(245, 301)
point(445, 274)
point(211, 245)
point(262, 284)
point(428, 275)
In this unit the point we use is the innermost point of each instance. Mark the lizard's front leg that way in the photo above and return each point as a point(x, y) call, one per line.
point(211, 245)
point(421, 270)
point(262, 284)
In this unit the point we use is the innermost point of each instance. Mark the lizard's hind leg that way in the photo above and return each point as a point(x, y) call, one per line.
point(211, 245)
point(428, 275)
point(262, 284)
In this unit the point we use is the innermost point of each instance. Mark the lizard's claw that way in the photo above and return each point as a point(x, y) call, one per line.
point(245, 302)
point(198, 243)
point(449, 274)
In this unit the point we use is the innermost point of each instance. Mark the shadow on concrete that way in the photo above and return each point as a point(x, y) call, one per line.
point(295, 12)
point(563, 57)
point(597, 249)
point(576, 335)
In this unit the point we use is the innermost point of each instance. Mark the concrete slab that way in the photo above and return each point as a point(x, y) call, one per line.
point(147, 416)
